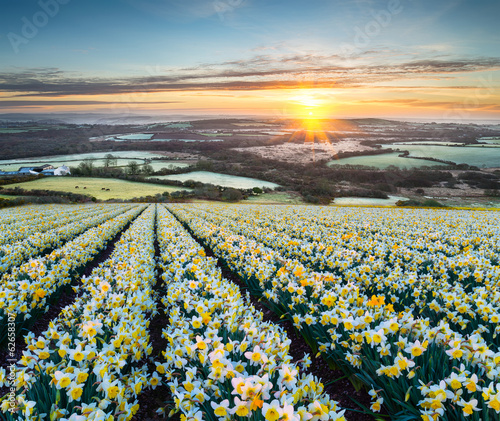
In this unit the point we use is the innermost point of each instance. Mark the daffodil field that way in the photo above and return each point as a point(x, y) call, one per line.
point(406, 302)
point(27, 290)
point(15, 253)
point(223, 361)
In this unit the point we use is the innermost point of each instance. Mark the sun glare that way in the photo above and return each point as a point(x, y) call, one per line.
point(312, 117)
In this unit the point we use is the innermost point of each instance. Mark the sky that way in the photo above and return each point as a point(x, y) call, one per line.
point(323, 58)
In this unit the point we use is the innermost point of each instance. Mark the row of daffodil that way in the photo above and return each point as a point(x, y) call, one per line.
point(379, 238)
point(466, 294)
point(463, 288)
point(16, 253)
point(22, 228)
point(31, 288)
point(414, 367)
point(9, 215)
point(88, 365)
point(223, 362)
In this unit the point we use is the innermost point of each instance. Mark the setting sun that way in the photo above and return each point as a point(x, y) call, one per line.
point(309, 104)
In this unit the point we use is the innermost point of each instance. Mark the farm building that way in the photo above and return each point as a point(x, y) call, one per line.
point(44, 169)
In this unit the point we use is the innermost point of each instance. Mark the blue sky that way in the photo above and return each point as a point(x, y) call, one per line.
point(249, 49)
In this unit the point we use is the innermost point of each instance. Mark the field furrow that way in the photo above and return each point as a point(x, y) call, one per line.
point(223, 360)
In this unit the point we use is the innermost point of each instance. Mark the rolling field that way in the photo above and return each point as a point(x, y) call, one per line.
point(120, 162)
point(488, 157)
point(97, 158)
point(118, 189)
point(95, 163)
point(80, 157)
point(385, 160)
point(223, 180)
point(402, 302)
point(275, 197)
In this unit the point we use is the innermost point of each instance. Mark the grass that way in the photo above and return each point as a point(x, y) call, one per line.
point(385, 160)
point(20, 130)
point(491, 140)
point(180, 125)
point(488, 157)
point(158, 165)
point(118, 189)
point(217, 179)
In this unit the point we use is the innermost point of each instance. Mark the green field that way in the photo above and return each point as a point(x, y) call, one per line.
point(480, 157)
point(384, 161)
point(133, 136)
point(158, 165)
point(216, 134)
point(222, 180)
point(23, 130)
point(123, 158)
point(180, 125)
point(119, 189)
point(490, 140)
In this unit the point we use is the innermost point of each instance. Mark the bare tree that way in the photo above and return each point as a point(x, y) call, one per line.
point(110, 161)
